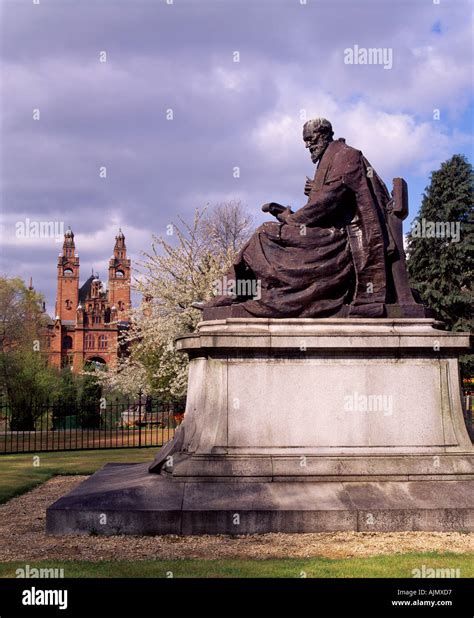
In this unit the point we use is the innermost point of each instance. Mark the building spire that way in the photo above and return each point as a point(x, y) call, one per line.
point(120, 249)
point(69, 243)
point(119, 278)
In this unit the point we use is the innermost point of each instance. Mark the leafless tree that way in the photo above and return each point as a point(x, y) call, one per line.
point(228, 225)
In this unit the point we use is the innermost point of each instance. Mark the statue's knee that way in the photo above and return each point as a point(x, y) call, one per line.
point(269, 227)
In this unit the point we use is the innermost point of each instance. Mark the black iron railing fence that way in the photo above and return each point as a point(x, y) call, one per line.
point(106, 424)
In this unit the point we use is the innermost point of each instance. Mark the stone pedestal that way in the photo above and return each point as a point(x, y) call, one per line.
point(301, 425)
point(326, 399)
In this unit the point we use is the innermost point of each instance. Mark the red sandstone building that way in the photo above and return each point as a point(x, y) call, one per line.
point(89, 319)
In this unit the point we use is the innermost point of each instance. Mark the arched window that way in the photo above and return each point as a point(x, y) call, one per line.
point(95, 363)
point(68, 304)
point(67, 272)
point(119, 273)
point(67, 342)
point(102, 342)
point(89, 342)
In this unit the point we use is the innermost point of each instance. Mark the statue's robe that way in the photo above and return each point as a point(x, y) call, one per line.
point(329, 258)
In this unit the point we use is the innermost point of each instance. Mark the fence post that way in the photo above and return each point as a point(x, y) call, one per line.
point(139, 419)
point(7, 422)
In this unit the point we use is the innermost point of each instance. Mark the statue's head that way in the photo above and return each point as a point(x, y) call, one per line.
point(317, 134)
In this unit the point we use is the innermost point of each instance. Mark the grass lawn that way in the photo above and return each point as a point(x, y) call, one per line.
point(18, 474)
point(376, 566)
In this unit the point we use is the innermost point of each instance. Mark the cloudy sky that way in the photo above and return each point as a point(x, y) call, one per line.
point(240, 77)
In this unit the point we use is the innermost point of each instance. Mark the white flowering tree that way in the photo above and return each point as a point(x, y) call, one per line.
point(180, 269)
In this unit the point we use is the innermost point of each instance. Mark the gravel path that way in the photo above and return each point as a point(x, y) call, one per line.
point(22, 537)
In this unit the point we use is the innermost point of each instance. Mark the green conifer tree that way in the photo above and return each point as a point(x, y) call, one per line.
point(440, 247)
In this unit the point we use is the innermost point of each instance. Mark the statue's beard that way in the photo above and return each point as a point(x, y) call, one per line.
point(318, 152)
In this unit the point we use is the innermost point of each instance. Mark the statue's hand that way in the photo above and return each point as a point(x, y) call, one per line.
point(282, 216)
point(273, 208)
point(308, 186)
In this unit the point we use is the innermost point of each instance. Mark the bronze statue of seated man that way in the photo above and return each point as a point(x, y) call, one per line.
point(341, 254)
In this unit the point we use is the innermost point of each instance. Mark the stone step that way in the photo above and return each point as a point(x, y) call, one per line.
point(136, 502)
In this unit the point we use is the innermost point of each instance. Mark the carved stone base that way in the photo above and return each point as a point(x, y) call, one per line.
point(136, 502)
point(304, 398)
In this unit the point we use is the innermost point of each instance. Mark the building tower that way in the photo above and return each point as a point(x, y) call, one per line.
point(90, 319)
point(119, 280)
point(67, 294)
